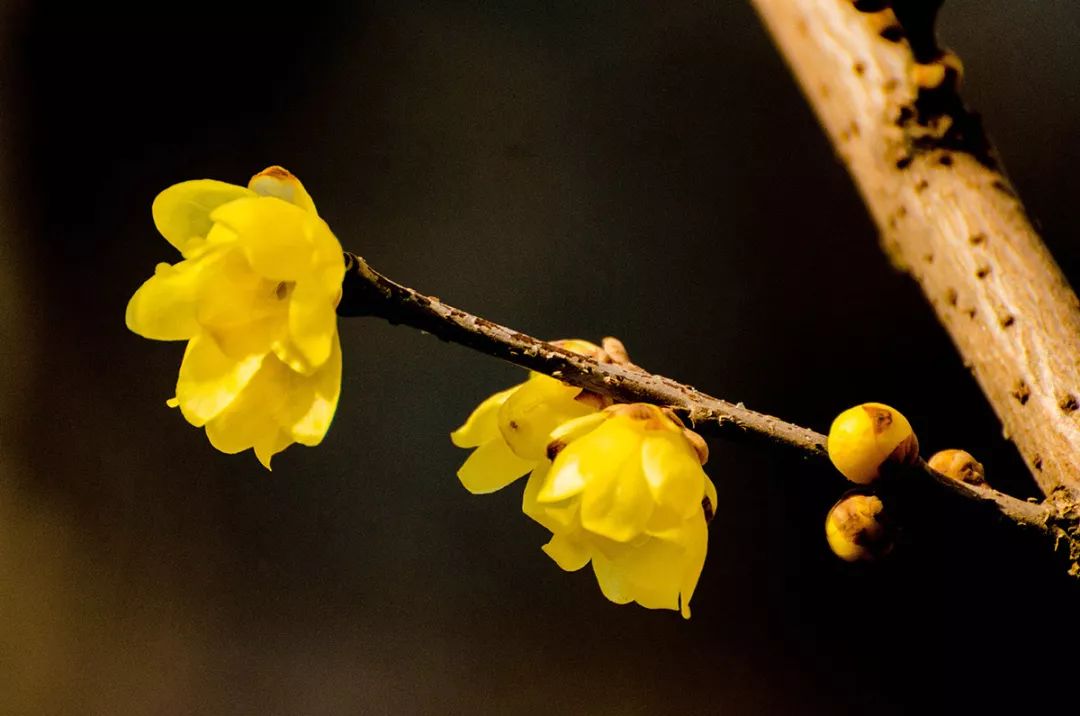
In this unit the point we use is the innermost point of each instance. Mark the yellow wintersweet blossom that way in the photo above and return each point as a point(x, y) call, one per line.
point(510, 429)
point(626, 491)
point(255, 298)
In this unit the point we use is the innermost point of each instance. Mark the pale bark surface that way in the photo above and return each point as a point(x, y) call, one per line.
point(949, 217)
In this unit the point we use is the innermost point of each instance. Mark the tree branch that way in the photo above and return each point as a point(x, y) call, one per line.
point(365, 292)
point(887, 97)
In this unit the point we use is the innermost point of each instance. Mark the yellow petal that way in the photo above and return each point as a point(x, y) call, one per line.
point(164, 306)
point(696, 544)
point(182, 212)
point(482, 424)
point(491, 467)
point(653, 573)
point(242, 424)
point(275, 235)
point(251, 420)
point(529, 415)
point(567, 552)
point(244, 312)
point(315, 399)
point(210, 380)
point(611, 581)
point(232, 294)
point(617, 503)
point(692, 539)
point(312, 322)
point(280, 182)
point(555, 516)
point(578, 427)
point(605, 466)
point(270, 444)
point(673, 475)
point(565, 480)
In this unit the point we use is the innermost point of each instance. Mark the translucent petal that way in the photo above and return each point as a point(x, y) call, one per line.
point(250, 420)
point(255, 338)
point(611, 582)
point(673, 474)
point(287, 353)
point(233, 295)
point(695, 544)
point(617, 503)
point(533, 485)
point(532, 412)
point(312, 322)
point(239, 426)
point(314, 398)
point(244, 312)
point(182, 212)
point(483, 423)
point(164, 306)
point(210, 380)
point(280, 182)
point(578, 427)
point(491, 467)
point(270, 444)
point(555, 516)
point(654, 573)
point(565, 479)
point(567, 552)
point(276, 236)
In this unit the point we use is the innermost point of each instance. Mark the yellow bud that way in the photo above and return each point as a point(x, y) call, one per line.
point(959, 465)
point(863, 438)
point(855, 530)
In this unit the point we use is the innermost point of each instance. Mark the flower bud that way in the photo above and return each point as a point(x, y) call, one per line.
point(946, 68)
point(855, 529)
point(959, 465)
point(865, 437)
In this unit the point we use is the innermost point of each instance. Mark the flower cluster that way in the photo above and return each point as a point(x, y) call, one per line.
point(254, 297)
point(619, 486)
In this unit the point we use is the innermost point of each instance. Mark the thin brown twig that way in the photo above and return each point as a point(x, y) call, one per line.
point(366, 292)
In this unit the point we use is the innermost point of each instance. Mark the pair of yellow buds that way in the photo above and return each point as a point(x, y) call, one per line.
point(863, 442)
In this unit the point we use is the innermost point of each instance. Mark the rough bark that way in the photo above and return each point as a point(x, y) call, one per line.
point(946, 212)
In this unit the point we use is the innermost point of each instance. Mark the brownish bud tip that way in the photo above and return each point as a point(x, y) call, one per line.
point(616, 350)
point(585, 348)
point(881, 418)
point(594, 400)
point(708, 509)
point(698, 443)
point(959, 465)
point(554, 448)
point(907, 452)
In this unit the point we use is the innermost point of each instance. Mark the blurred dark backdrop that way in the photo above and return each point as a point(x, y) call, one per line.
point(641, 169)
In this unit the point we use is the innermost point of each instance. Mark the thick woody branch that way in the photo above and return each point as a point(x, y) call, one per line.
point(366, 292)
point(887, 97)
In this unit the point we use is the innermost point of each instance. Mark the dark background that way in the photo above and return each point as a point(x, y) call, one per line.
point(634, 168)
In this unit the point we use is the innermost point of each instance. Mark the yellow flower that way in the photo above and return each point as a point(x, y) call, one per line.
point(626, 491)
point(510, 429)
point(254, 296)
